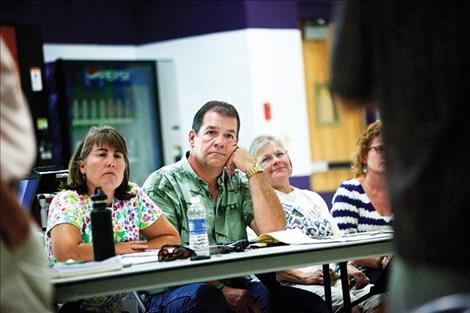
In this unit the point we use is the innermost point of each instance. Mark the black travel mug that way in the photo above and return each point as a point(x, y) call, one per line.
point(101, 227)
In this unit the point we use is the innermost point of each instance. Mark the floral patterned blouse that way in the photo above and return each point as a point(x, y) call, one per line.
point(129, 218)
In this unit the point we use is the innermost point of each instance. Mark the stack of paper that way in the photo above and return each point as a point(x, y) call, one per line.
point(296, 237)
point(367, 235)
point(74, 268)
point(288, 236)
point(147, 256)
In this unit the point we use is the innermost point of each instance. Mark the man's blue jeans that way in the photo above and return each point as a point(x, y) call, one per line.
point(205, 298)
point(202, 298)
point(193, 298)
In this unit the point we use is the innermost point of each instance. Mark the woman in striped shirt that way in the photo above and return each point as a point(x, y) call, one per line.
point(362, 204)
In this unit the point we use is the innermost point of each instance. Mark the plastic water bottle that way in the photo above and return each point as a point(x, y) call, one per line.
point(101, 227)
point(198, 239)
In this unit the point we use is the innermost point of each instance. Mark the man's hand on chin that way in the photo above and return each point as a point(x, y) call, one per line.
point(241, 159)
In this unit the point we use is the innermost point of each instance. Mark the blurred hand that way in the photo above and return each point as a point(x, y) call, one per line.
point(314, 278)
point(333, 275)
point(358, 280)
point(386, 261)
point(131, 247)
point(240, 301)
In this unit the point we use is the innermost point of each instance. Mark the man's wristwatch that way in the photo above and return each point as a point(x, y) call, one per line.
point(252, 171)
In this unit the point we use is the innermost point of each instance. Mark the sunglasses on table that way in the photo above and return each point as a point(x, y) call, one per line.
point(174, 252)
point(237, 246)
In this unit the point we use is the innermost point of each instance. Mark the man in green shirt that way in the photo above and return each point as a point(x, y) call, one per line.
point(214, 170)
point(232, 187)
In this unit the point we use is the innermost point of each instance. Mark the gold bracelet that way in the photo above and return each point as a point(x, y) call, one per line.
point(252, 171)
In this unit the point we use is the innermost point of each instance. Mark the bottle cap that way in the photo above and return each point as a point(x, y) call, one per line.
point(42, 200)
point(195, 200)
point(99, 197)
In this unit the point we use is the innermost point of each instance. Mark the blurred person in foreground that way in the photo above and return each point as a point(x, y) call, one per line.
point(307, 211)
point(411, 62)
point(25, 285)
point(235, 193)
point(361, 204)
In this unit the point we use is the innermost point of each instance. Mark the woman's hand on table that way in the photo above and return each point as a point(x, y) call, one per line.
point(131, 247)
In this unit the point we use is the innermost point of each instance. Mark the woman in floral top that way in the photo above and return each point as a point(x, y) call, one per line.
point(100, 160)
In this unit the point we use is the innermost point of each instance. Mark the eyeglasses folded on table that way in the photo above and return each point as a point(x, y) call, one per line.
point(174, 252)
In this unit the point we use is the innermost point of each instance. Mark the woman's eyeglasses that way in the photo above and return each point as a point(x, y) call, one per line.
point(173, 252)
point(269, 158)
point(378, 149)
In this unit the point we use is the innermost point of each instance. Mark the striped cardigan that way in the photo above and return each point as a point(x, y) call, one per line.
point(353, 211)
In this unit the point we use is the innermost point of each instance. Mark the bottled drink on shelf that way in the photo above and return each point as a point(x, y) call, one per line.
point(119, 108)
point(198, 239)
point(93, 109)
point(110, 108)
point(101, 227)
point(75, 110)
point(102, 110)
point(128, 108)
point(85, 115)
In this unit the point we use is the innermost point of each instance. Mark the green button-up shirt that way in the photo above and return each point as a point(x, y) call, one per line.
point(172, 187)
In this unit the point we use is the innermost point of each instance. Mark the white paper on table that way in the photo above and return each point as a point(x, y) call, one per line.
point(296, 236)
point(147, 256)
point(68, 268)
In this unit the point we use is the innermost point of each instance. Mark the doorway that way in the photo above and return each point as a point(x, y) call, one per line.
point(333, 129)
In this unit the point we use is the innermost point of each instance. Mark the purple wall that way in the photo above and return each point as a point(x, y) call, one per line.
point(271, 14)
point(74, 21)
point(303, 182)
point(162, 20)
point(137, 22)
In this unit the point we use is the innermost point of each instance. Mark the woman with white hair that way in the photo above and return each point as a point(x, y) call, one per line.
point(306, 210)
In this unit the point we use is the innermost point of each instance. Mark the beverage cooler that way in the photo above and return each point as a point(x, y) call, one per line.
point(123, 94)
